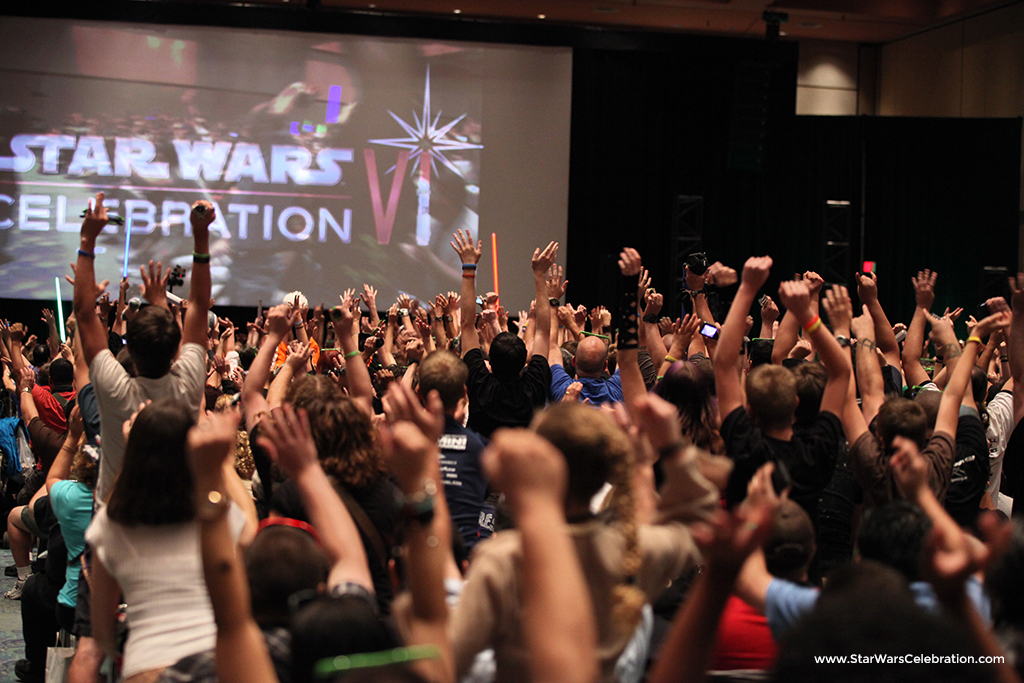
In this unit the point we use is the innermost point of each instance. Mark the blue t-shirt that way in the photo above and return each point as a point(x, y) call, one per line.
point(597, 390)
point(72, 504)
point(785, 602)
point(465, 488)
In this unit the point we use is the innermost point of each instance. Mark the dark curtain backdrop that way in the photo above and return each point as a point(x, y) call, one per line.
point(649, 126)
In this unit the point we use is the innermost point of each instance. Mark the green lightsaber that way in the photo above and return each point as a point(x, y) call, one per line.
point(60, 311)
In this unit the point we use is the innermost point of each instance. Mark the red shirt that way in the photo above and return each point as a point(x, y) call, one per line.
point(744, 641)
point(50, 411)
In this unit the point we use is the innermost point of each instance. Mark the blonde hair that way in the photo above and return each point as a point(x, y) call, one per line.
point(597, 450)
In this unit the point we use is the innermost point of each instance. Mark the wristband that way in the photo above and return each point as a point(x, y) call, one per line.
point(469, 266)
point(670, 359)
point(352, 354)
point(972, 338)
point(1003, 359)
point(813, 325)
point(200, 258)
point(469, 273)
point(86, 254)
point(651, 319)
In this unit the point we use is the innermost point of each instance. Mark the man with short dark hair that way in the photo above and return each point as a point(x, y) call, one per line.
point(153, 340)
point(464, 486)
point(506, 395)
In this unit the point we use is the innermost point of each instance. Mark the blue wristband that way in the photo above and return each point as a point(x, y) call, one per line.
point(86, 254)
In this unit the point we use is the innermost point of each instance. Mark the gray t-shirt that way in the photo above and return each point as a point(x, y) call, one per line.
point(119, 395)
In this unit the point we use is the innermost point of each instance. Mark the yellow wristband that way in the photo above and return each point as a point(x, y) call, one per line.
point(975, 339)
point(670, 359)
point(813, 326)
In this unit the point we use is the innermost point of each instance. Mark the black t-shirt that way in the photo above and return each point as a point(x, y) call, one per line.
point(465, 488)
point(810, 456)
point(970, 471)
point(496, 402)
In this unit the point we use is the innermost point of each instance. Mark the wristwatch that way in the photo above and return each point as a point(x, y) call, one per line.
point(403, 312)
point(843, 341)
point(554, 302)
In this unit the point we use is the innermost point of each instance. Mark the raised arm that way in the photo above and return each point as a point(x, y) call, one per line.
point(727, 380)
point(1016, 345)
point(253, 401)
point(411, 449)
point(241, 651)
point(120, 326)
point(94, 336)
point(953, 396)
point(867, 291)
point(296, 363)
point(196, 324)
point(796, 297)
point(913, 346)
point(769, 314)
point(557, 614)
point(290, 444)
point(540, 264)
point(360, 386)
point(629, 345)
point(869, 372)
point(470, 256)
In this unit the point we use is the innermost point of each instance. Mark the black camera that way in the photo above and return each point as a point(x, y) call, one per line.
point(697, 263)
point(176, 278)
point(199, 209)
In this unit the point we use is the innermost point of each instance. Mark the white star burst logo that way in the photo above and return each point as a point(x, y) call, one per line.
point(426, 138)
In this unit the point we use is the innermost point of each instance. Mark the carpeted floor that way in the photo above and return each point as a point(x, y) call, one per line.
point(12, 648)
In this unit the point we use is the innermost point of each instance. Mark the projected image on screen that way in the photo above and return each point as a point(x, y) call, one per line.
point(331, 160)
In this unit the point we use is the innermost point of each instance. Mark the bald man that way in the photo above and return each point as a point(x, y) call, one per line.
point(591, 364)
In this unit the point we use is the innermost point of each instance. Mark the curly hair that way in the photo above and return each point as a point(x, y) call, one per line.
point(345, 440)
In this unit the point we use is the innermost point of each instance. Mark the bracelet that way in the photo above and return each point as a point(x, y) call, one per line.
point(1003, 359)
point(86, 254)
point(469, 273)
point(972, 338)
point(670, 359)
point(353, 354)
point(469, 266)
point(200, 258)
point(813, 325)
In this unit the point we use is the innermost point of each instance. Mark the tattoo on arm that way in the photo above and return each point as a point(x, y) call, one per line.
point(867, 344)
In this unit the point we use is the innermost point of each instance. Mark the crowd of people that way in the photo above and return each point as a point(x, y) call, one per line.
point(441, 491)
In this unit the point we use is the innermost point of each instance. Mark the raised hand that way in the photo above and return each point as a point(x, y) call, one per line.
point(154, 284)
point(98, 289)
point(542, 260)
point(795, 295)
point(572, 393)
point(720, 275)
point(279, 320)
point(814, 282)
point(369, 297)
point(654, 303)
point(289, 440)
point(123, 289)
point(95, 219)
point(463, 245)
point(991, 323)
point(755, 271)
point(201, 221)
point(769, 311)
point(556, 288)
point(863, 326)
point(298, 355)
point(402, 405)
point(867, 288)
point(643, 283)
point(212, 442)
point(629, 262)
point(924, 288)
point(838, 307)
point(26, 379)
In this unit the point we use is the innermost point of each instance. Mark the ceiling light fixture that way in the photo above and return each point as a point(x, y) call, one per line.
point(458, 11)
point(542, 16)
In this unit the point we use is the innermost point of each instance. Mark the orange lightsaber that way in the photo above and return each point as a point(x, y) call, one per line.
point(494, 260)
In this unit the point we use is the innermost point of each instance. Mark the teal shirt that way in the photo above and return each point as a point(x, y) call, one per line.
point(72, 504)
